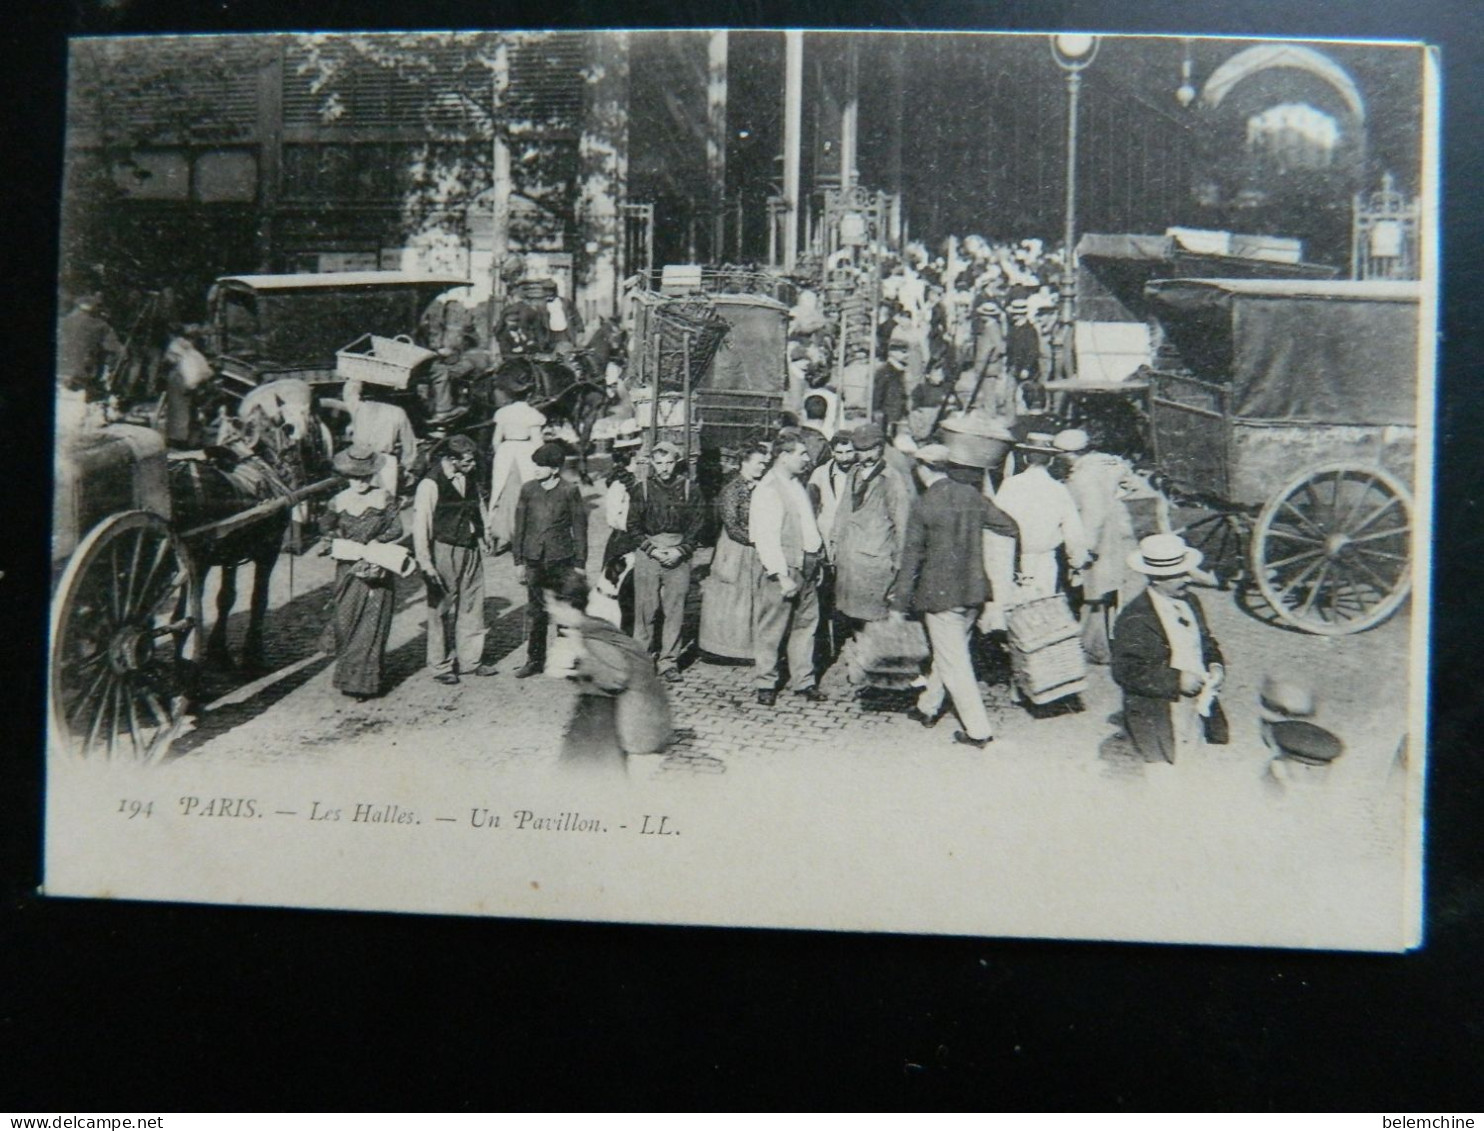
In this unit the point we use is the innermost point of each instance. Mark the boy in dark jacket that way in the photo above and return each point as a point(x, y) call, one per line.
point(550, 532)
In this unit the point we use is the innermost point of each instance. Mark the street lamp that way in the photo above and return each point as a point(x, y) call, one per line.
point(1073, 54)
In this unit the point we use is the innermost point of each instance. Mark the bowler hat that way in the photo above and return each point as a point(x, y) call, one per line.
point(359, 461)
point(1306, 742)
point(553, 453)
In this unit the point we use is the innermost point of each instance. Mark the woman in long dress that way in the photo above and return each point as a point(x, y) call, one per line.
point(517, 436)
point(365, 593)
point(727, 592)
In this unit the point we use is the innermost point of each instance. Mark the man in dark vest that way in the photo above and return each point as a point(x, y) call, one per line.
point(448, 536)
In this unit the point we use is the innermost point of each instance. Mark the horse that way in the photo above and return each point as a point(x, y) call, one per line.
point(253, 460)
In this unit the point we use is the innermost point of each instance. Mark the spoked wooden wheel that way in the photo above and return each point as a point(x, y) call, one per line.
point(1331, 552)
point(122, 627)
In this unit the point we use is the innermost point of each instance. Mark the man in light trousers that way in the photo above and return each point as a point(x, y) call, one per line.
point(448, 538)
point(789, 546)
point(942, 579)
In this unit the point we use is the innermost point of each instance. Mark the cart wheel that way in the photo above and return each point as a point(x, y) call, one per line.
point(122, 627)
point(1331, 551)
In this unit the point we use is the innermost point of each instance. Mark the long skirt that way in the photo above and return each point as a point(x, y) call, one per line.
point(727, 600)
point(362, 623)
point(511, 470)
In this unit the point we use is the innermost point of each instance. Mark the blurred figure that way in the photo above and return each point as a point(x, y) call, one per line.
point(621, 706)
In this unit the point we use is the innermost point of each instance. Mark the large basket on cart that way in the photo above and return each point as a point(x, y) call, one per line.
point(685, 336)
point(381, 361)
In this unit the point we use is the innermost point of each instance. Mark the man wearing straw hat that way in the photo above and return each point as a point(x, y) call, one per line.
point(1165, 658)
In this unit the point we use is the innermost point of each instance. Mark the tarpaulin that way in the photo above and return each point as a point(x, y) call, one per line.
point(1305, 352)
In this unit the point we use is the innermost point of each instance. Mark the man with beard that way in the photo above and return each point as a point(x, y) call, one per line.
point(865, 539)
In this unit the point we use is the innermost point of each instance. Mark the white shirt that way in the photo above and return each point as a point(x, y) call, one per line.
point(1182, 630)
point(424, 503)
point(765, 520)
point(831, 481)
point(1046, 513)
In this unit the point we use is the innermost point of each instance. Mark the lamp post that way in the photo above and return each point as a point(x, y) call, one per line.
point(1073, 54)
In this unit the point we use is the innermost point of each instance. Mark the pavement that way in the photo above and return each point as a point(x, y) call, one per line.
point(294, 716)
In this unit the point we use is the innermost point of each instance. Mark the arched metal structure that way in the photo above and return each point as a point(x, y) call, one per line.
point(1267, 56)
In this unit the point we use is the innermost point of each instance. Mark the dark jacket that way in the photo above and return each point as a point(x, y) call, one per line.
point(550, 525)
point(943, 556)
point(1141, 666)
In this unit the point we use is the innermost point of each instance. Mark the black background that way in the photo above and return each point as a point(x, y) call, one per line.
point(116, 1006)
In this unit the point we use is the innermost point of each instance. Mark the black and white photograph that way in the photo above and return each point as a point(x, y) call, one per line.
point(948, 483)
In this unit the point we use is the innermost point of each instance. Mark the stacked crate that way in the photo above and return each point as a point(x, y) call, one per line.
point(1046, 656)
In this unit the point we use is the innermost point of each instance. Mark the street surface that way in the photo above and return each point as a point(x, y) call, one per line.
point(294, 717)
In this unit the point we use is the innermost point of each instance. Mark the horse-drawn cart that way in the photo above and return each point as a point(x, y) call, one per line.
point(1287, 410)
point(126, 605)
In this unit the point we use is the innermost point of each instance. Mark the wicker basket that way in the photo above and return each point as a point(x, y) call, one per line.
point(1049, 673)
point(380, 361)
point(1037, 624)
point(672, 323)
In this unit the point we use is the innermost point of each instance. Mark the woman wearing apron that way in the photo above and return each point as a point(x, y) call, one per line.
point(727, 593)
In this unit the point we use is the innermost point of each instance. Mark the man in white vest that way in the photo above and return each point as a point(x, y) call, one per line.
point(789, 546)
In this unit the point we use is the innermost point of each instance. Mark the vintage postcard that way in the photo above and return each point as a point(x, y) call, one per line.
point(947, 483)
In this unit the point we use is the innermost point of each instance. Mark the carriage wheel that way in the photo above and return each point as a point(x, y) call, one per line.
point(122, 624)
point(1331, 551)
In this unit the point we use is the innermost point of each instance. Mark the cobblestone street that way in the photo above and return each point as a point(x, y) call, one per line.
point(293, 716)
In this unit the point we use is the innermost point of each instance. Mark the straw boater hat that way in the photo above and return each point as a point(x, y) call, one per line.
point(1164, 555)
point(1039, 442)
point(359, 461)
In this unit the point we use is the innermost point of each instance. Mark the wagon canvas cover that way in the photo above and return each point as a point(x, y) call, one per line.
point(1298, 351)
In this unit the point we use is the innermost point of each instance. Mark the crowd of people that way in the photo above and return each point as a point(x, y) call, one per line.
point(877, 546)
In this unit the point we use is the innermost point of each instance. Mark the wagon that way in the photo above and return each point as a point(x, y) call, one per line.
point(126, 613)
point(1287, 411)
point(266, 327)
point(708, 369)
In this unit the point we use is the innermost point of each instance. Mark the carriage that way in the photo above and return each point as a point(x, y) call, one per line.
point(126, 604)
point(1285, 412)
point(708, 367)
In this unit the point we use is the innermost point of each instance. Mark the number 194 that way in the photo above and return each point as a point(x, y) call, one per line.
point(132, 809)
